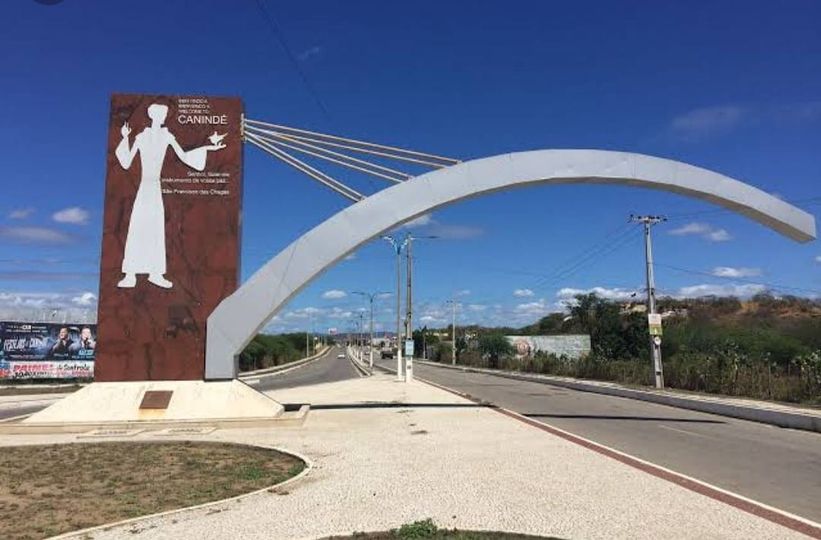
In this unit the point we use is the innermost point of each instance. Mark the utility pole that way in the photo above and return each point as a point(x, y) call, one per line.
point(409, 238)
point(453, 331)
point(307, 342)
point(409, 306)
point(370, 297)
point(653, 318)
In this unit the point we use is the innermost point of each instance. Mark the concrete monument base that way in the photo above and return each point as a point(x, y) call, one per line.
point(152, 402)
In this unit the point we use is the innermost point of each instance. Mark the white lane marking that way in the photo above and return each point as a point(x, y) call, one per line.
point(671, 428)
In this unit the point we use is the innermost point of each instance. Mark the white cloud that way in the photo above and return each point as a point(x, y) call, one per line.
point(615, 293)
point(704, 230)
point(718, 235)
point(350, 256)
point(532, 309)
point(442, 230)
point(35, 235)
point(310, 52)
point(57, 307)
point(421, 221)
point(334, 294)
point(85, 299)
point(74, 215)
point(705, 121)
point(746, 289)
point(21, 213)
point(477, 307)
point(730, 272)
point(455, 232)
point(463, 292)
point(522, 293)
point(818, 258)
point(339, 313)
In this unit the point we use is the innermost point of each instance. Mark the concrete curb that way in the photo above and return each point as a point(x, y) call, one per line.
point(283, 367)
point(795, 419)
point(359, 366)
point(106, 526)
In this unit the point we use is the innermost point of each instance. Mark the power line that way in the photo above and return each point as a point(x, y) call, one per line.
point(773, 286)
point(596, 256)
point(277, 32)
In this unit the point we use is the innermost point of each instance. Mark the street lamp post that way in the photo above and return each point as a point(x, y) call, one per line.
point(397, 247)
point(370, 297)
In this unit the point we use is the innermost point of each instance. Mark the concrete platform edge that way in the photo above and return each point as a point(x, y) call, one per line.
point(12, 426)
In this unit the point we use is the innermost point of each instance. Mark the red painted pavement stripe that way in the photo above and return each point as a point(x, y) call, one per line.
point(740, 503)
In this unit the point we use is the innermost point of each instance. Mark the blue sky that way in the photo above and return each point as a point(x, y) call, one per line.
point(730, 86)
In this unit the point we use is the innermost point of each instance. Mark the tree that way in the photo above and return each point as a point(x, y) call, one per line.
point(611, 335)
point(494, 345)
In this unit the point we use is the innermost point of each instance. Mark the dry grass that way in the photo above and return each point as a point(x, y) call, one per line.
point(48, 490)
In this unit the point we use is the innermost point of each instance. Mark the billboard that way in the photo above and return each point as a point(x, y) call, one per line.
point(571, 346)
point(46, 350)
point(171, 232)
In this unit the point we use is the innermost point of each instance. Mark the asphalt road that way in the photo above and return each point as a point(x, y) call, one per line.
point(775, 466)
point(10, 413)
point(329, 368)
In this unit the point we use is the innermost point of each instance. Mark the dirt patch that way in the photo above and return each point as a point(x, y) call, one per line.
point(49, 490)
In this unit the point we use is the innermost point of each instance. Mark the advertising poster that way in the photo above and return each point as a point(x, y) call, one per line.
point(571, 346)
point(171, 232)
point(46, 350)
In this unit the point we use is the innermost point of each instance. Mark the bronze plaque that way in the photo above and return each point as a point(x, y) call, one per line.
point(171, 232)
point(156, 399)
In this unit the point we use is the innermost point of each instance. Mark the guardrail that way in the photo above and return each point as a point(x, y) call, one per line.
point(764, 412)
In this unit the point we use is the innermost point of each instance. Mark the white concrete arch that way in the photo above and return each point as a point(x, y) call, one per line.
point(239, 317)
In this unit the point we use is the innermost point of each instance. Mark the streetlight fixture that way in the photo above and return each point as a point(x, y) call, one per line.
point(370, 297)
point(398, 245)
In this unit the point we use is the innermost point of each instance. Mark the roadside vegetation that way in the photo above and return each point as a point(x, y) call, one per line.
point(266, 351)
point(54, 489)
point(765, 348)
point(427, 530)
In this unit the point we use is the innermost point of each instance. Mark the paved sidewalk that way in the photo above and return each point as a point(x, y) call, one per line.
point(387, 453)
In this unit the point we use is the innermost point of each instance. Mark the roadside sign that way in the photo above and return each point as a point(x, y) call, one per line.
point(654, 323)
point(409, 348)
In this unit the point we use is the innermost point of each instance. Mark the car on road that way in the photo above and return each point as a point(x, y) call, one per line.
point(341, 355)
point(386, 353)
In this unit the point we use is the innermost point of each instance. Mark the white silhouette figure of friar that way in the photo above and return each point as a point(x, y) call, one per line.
point(145, 243)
